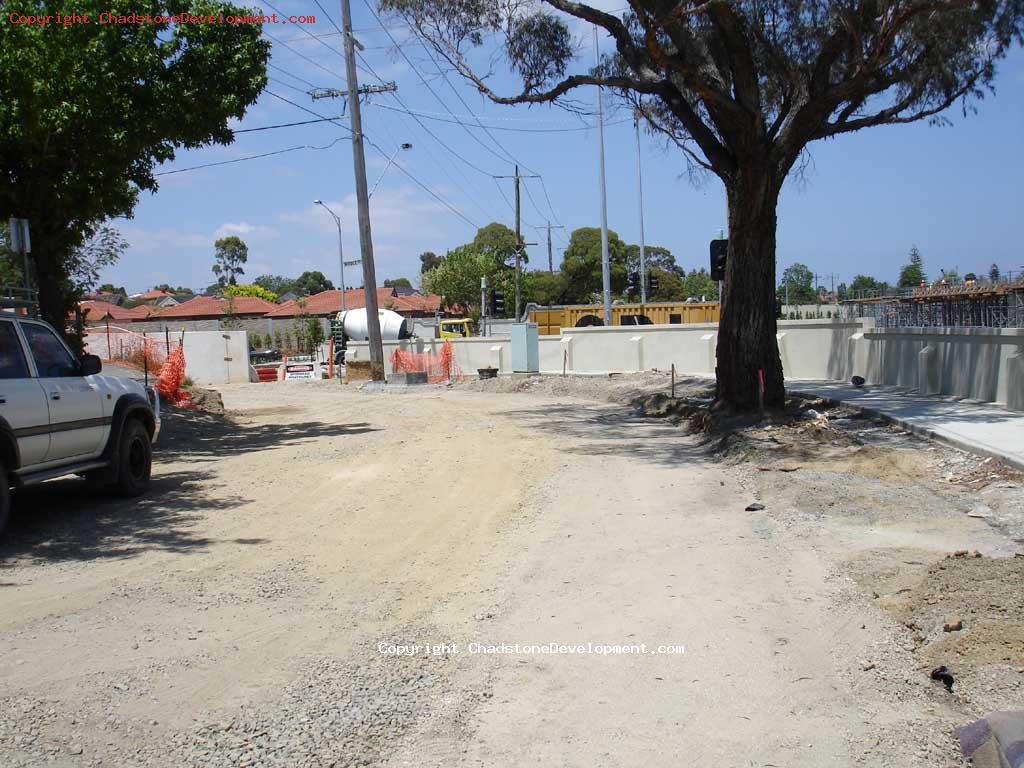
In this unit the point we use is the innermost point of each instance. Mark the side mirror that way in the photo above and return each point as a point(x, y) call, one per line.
point(91, 364)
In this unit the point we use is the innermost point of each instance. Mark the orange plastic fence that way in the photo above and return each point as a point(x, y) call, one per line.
point(124, 347)
point(172, 374)
point(439, 367)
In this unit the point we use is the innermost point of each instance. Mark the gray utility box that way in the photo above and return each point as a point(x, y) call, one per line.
point(525, 348)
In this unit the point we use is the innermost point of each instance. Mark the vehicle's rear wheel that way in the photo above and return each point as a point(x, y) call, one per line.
point(5, 498)
point(134, 459)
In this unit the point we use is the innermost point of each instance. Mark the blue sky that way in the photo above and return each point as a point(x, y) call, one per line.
point(865, 200)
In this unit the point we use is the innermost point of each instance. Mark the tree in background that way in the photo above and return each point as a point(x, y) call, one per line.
point(797, 285)
point(275, 284)
point(499, 241)
point(546, 288)
point(698, 285)
point(456, 278)
point(865, 287)
point(250, 289)
point(398, 282)
point(993, 273)
point(654, 256)
point(77, 148)
point(229, 256)
point(913, 274)
point(111, 288)
point(581, 264)
point(428, 260)
point(742, 88)
point(951, 276)
point(310, 283)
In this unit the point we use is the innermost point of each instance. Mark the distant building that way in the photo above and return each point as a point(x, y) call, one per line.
point(328, 303)
point(216, 308)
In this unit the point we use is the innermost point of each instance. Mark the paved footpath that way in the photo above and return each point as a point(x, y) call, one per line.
point(983, 428)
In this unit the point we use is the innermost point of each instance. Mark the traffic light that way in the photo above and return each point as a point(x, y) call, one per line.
point(633, 283)
point(652, 282)
point(719, 251)
point(497, 302)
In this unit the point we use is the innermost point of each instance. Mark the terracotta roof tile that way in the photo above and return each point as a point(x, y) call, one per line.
point(216, 307)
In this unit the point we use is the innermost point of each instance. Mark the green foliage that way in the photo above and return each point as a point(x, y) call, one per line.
point(428, 260)
point(278, 341)
point(111, 288)
point(798, 284)
point(398, 282)
point(864, 286)
point(314, 332)
point(457, 277)
point(250, 289)
point(90, 110)
point(581, 264)
point(275, 283)
point(654, 256)
point(546, 288)
point(309, 283)
point(912, 274)
point(698, 285)
point(230, 255)
point(499, 241)
point(993, 273)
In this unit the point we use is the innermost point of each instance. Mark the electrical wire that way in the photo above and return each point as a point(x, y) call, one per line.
point(249, 157)
point(439, 119)
point(284, 125)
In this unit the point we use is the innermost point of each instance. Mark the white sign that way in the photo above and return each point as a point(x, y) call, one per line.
point(308, 371)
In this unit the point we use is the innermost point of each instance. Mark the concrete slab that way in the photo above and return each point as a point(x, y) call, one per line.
point(983, 428)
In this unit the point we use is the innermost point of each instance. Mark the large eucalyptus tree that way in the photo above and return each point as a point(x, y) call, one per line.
point(741, 87)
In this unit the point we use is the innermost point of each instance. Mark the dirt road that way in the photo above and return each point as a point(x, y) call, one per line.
point(252, 609)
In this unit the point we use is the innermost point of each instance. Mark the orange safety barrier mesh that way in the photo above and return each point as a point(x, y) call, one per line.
point(439, 367)
point(168, 383)
point(124, 347)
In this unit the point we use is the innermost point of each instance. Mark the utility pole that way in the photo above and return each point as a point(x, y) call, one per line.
point(551, 263)
point(519, 236)
point(363, 199)
point(640, 196)
point(606, 274)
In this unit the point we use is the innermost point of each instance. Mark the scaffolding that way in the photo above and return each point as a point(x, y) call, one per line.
point(985, 305)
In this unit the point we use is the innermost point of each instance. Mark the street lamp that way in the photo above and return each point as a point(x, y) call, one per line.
point(341, 256)
point(403, 146)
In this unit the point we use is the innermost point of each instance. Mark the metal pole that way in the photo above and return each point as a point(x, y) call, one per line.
point(640, 196)
point(606, 275)
point(362, 197)
point(551, 263)
point(519, 244)
point(341, 260)
point(483, 305)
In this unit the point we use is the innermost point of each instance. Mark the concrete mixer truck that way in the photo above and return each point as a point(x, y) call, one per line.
point(351, 325)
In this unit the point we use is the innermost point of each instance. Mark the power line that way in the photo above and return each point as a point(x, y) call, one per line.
point(457, 121)
point(373, 144)
point(290, 74)
point(243, 159)
point(284, 125)
point(301, 55)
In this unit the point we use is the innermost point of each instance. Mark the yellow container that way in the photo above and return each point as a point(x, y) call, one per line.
point(550, 320)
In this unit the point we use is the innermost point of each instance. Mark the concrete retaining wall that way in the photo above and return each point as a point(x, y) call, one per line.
point(978, 363)
point(216, 357)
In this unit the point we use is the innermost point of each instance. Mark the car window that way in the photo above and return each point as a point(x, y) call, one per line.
point(12, 358)
point(52, 358)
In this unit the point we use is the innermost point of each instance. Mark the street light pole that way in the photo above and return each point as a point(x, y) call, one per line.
point(391, 160)
point(606, 275)
point(640, 188)
point(341, 255)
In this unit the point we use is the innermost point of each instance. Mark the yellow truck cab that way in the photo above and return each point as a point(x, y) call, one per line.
point(454, 329)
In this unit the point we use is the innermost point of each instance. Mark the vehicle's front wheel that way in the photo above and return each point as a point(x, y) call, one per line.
point(134, 459)
point(5, 498)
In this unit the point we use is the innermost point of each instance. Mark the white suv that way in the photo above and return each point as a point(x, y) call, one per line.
point(58, 417)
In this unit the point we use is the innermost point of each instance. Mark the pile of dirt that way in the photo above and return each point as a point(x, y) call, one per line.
point(964, 612)
point(206, 400)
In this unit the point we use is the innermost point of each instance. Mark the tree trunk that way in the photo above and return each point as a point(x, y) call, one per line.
point(748, 355)
point(47, 253)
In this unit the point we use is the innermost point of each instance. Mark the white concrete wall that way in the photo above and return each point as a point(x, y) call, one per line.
point(978, 363)
point(216, 357)
point(975, 363)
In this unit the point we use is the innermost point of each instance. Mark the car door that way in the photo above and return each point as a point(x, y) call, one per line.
point(22, 399)
point(76, 406)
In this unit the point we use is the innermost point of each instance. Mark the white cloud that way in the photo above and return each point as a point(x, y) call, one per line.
point(157, 239)
point(246, 230)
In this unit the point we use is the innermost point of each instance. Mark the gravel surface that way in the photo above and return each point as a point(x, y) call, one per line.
point(234, 615)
